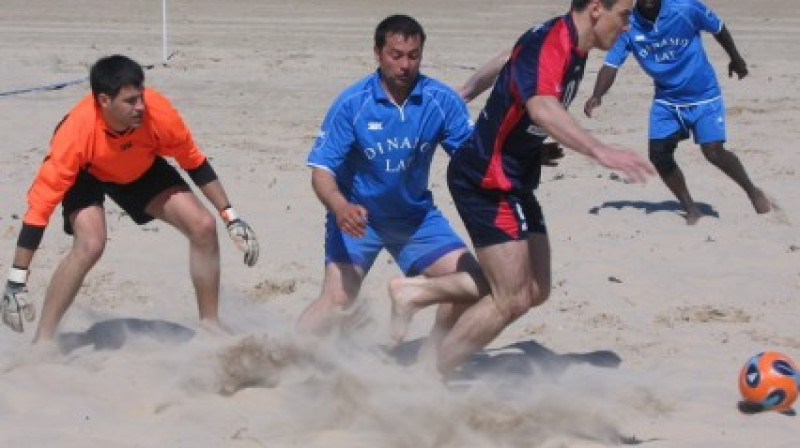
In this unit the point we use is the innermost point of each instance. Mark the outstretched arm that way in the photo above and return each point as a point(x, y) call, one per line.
point(737, 64)
point(605, 79)
point(550, 114)
point(484, 77)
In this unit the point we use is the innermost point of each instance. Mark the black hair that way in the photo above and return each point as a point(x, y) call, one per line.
point(398, 24)
point(111, 73)
point(580, 5)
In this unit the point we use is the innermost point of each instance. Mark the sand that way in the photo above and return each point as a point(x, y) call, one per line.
point(641, 340)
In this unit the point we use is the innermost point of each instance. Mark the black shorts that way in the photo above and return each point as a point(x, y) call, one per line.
point(493, 216)
point(132, 197)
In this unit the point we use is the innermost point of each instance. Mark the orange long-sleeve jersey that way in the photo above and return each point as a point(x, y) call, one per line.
point(84, 141)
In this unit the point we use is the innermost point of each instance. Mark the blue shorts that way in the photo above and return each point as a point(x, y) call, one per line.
point(705, 121)
point(414, 243)
point(493, 216)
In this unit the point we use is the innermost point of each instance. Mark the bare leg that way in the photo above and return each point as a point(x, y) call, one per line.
point(519, 275)
point(675, 181)
point(662, 155)
point(447, 314)
point(729, 164)
point(183, 210)
point(454, 278)
point(339, 290)
point(89, 226)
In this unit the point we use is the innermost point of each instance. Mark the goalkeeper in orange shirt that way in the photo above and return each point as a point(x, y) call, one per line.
point(114, 143)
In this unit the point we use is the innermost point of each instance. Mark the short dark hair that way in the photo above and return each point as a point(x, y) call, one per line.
point(111, 73)
point(401, 24)
point(580, 5)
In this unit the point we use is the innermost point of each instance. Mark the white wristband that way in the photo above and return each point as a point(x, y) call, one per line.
point(229, 214)
point(18, 275)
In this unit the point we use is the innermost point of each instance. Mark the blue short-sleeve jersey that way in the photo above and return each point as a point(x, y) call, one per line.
point(381, 152)
point(671, 51)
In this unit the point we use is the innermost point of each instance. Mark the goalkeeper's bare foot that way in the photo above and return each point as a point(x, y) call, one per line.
point(402, 292)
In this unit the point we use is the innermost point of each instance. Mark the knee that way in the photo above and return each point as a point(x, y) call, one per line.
point(90, 248)
point(540, 295)
point(532, 296)
point(337, 299)
point(203, 229)
point(515, 309)
point(714, 153)
point(663, 159)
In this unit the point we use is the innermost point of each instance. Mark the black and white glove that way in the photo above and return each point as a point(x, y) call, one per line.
point(15, 304)
point(242, 235)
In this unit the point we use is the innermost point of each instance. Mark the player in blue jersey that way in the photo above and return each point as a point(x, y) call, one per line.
point(370, 167)
point(665, 39)
point(493, 175)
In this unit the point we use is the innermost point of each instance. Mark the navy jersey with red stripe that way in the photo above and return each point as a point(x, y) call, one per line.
point(503, 151)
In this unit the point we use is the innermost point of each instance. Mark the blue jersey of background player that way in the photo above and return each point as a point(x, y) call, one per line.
point(671, 51)
point(370, 167)
point(665, 39)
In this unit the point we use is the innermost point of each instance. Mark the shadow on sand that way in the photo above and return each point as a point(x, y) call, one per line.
point(653, 207)
point(513, 363)
point(518, 359)
point(112, 334)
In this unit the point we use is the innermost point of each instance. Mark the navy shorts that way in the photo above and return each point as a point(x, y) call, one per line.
point(493, 216)
point(132, 197)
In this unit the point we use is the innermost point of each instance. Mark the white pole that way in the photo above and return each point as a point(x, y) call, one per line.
point(164, 30)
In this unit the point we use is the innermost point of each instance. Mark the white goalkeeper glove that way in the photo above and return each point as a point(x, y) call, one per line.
point(15, 304)
point(242, 235)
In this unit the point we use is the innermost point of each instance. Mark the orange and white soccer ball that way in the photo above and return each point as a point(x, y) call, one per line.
point(770, 381)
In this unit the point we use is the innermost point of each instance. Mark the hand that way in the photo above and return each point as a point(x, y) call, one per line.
point(550, 153)
point(463, 92)
point(631, 164)
point(737, 66)
point(591, 104)
point(245, 239)
point(15, 306)
point(352, 219)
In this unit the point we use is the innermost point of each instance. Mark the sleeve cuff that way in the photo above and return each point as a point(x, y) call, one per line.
point(30, 236)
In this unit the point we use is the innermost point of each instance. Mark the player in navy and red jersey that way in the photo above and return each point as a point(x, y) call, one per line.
point(493, 175)
point(504, 151)
point(114, 142)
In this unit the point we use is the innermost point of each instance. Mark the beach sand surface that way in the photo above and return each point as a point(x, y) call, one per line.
point(642, 339)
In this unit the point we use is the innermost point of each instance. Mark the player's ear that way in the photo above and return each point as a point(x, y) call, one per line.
point(104, 100)
point(377, 52)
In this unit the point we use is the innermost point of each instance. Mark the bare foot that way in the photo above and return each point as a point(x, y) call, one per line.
point(402, 291)
point(760, 202)
point(693, 215)
point(213, 327)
